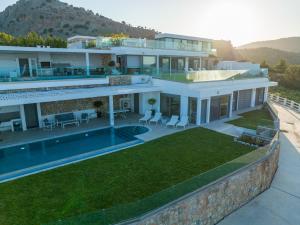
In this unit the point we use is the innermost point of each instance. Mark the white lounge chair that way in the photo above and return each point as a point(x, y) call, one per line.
point(184, 121)
point(146, 117)
point(173, 121)
point(156, 118)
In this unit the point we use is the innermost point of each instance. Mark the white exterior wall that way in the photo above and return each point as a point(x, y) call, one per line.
point(95, 60)
point(144, 106)
point(8, 62)
point(72, 59)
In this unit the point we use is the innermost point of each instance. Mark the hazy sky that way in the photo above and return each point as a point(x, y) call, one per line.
point(240, 21)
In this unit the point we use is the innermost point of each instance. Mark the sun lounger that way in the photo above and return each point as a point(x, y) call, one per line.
point(146, 117)
point(173, 121)
point(156, 118)
point(184, 121)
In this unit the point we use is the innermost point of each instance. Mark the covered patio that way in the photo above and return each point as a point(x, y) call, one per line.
point(31, 111)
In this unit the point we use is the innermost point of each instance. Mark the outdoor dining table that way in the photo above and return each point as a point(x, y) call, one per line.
point(121, 112)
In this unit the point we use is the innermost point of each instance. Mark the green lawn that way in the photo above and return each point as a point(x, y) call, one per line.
point(254, 118)
point(117, 178)
point(291, 94)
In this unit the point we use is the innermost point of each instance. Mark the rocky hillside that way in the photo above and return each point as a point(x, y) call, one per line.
point(52, 17)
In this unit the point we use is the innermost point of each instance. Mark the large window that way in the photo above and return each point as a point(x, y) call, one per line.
point(219, 108)
point(170, 104)
point(149, 65)
point(260, 92)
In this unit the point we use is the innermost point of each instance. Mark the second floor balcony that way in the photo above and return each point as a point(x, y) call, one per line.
point(108, 42)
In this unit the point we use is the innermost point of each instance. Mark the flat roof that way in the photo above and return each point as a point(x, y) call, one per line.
point(178, 36)
point(29, 97)
point(80, 37)
point(12, 49)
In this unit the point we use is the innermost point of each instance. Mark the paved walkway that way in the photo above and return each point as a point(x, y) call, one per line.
point(280, 205)
point(222, 127)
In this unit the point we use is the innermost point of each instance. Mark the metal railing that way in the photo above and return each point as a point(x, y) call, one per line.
point(285, 102)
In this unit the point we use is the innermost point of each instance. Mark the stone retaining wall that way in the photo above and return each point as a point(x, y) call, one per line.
point(50, 108)
point(212, 203)
point(120, 80)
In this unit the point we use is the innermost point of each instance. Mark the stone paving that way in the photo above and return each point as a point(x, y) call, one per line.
point(280, 205)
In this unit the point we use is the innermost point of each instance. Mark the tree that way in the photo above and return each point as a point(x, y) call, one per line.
point(98, 105)
point(292, 77)
point(5, 39)
point(32, 39)
point(152, 101)
point(116, 39)
point(264, 64)
point(281, 66)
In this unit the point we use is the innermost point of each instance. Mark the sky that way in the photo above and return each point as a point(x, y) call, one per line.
point(241, 21)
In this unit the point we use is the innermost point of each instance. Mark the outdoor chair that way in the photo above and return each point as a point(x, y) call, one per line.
point(146, 117)
point(156, 118)
point(173, 121)
point(47, 124)
point(66, 119)
point(184, 121)
point(84, 117)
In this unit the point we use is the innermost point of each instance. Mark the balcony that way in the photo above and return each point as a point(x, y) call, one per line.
point(51, 73)
point(107, 42)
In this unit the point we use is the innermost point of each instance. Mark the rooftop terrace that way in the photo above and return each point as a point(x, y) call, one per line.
point(210, 75)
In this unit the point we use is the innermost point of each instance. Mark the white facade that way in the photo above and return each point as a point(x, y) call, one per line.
point(36, 76)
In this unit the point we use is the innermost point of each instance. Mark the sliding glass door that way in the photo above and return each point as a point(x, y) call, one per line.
point(219, 108)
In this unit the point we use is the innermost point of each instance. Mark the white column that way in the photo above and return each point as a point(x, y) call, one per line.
point(208, 110)
point(114, 58)
point(237, 100)
point(200, 63)
point(198, 115)
point(87, 62)
point(111, 111)
point(23, 117)
point(39, 114)
point(266, 94)
point(157, 65)
point(253, 97)
point(230, 105)
point(170, 65)
point(184, 105)
point(186, 64)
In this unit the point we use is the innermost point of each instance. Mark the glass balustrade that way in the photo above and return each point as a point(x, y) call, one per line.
point(103, 43)
point(166, 73)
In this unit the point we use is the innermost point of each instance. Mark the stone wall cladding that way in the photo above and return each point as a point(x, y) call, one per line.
point(210, 204)
point(50, 108)
point(120, 80)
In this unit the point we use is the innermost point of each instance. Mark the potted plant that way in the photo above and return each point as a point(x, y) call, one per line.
point(98, 105)
point(152, 101)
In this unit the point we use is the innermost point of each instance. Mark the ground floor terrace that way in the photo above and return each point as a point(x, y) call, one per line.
point(67, 111)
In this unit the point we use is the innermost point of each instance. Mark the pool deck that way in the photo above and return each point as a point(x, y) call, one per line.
point(15, 138)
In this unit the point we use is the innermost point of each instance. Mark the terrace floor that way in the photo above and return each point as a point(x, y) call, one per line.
point(15, 138)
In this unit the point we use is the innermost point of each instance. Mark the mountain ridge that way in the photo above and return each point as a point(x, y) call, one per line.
point(288, 44)
point(56, 18)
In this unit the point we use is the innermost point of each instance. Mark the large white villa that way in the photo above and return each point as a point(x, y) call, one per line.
point(38, 83)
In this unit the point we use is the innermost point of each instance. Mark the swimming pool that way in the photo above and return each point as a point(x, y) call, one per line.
point(22, 160)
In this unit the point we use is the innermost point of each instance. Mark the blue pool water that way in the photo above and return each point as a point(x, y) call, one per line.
point(29, 158)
